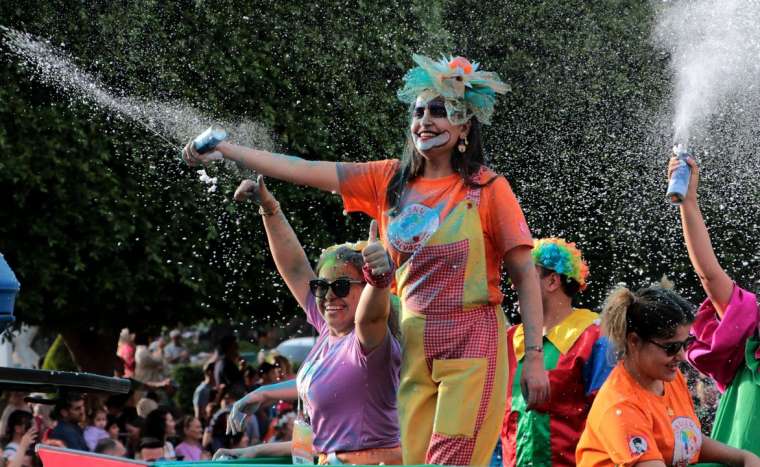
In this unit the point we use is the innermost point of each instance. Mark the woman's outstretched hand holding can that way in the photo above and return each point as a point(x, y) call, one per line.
point(194, 158)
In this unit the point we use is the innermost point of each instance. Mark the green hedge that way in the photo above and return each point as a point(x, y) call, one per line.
point(187, 378)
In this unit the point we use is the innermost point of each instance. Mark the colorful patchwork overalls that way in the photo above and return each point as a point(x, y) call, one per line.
point(452, 392)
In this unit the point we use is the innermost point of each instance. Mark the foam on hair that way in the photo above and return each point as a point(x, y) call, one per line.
point(346, 253)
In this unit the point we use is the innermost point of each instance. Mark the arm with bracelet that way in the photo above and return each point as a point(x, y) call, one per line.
point(287, 252)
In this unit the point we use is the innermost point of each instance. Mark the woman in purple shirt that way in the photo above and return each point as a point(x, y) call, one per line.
point(348, 383)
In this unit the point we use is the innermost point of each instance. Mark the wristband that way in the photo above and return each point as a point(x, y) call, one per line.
point(272, 212)
point(534, 348)
point(380, 281)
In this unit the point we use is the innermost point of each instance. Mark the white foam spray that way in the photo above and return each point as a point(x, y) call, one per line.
point(715, 56)
point(174, 122)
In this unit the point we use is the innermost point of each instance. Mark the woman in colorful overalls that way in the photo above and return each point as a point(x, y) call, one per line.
point(348, 382)
point(449, 223)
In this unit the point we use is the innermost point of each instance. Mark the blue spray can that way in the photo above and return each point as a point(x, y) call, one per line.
point(208, 140)
point(679, 181)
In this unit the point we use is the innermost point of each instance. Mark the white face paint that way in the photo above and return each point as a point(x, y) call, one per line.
point(430, 143)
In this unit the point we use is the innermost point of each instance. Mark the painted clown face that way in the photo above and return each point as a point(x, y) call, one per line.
point(432, 132)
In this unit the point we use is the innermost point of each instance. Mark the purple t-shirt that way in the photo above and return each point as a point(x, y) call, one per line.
point(189, 452)
point(350, 396)
point(92, 435)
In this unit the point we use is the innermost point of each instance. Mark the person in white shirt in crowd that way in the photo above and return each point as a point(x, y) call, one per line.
point(174, 352)
point(149, 365)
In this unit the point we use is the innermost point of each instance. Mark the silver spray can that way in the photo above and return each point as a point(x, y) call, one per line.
point(679, 181)
point(208, 140)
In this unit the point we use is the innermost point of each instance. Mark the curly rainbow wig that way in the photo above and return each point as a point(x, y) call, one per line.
point(555, 254)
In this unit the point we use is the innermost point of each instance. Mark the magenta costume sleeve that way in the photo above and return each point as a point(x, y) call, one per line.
point(719, 349)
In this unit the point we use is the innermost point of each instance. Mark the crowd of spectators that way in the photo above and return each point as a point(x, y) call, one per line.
point(147, 423)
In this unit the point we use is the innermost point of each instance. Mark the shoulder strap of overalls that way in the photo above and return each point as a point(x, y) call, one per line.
point(473, 192)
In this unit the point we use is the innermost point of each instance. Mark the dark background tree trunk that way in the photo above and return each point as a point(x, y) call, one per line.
point(93, 352)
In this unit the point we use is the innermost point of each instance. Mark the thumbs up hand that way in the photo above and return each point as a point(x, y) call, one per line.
point(375, 256)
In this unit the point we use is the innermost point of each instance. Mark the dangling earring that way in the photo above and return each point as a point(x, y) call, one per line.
point(462, 145)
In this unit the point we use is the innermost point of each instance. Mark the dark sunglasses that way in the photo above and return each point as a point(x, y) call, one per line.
point(672, 348)
point(340, 287)
point(437, 109)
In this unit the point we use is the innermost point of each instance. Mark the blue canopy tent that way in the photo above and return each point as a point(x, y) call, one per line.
point(9, 287)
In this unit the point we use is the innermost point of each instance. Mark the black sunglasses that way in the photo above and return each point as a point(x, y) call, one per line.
point(437, 110)
point(672, 348)
point(340, 287)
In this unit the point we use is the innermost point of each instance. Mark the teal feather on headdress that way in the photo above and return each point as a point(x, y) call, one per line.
point(466, 90)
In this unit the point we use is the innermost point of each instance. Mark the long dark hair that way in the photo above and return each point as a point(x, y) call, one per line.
point(155, 424)
point(16, 418)
point(466, 164)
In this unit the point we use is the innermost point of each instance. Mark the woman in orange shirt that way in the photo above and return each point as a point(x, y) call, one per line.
point(643, 415)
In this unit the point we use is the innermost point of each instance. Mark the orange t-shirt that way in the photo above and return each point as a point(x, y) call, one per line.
point(628, 424)
point(424, 206)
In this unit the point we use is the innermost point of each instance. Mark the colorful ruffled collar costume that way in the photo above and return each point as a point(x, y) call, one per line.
point(576, 358)
point(466, 91)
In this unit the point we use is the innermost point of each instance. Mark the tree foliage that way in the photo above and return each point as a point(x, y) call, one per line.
point(106, 230)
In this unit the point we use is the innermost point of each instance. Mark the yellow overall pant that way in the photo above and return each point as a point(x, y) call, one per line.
point(452, 393)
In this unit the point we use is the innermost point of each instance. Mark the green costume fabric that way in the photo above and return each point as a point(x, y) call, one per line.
point(738, 413)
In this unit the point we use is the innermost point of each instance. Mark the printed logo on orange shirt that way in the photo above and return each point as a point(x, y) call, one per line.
point(637, 444)
point(413, 227)
point(688, 440)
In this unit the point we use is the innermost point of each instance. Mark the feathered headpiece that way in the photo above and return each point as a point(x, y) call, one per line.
point(466, 91)
point(561, 257)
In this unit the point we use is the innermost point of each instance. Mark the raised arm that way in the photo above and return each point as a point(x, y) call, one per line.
point(717, 284)
point(372, 313)
point(288, 254)
point(317, 174)
point(534, 380)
